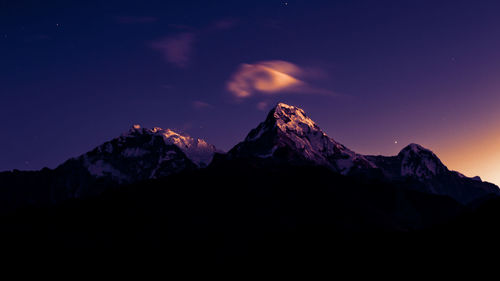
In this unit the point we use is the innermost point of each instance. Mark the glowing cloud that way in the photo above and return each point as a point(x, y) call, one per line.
point(266, 77)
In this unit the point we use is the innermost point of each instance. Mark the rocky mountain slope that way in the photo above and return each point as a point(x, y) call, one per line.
point(289, 136)
point(286, 137)
point(137, 155)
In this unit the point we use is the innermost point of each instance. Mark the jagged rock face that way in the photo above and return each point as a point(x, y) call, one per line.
point(286, 136)
point(422, 170)
point(146, 154)
point(289, 135)
point(419, 162)
point(413, 161)
point(134, 157)
point(197, 150)
point(137, 155)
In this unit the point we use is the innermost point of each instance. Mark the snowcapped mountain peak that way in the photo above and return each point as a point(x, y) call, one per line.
point(285, 109)
point(291, 118)
point(143, 153)
point(289, 135)
point(415, 148)
point(197, 150)
point(420, 162)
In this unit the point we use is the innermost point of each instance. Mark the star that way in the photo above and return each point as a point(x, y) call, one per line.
point(396, 142)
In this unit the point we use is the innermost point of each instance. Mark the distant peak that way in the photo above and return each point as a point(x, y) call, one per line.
point(197, 150)
point(416, 148)
point(421, 162)
point(138, 129)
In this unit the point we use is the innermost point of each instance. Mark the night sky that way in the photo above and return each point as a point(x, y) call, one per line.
point(375, 75)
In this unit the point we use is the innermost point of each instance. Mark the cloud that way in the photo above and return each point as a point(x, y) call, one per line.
point(134, 19)
point(176, 49)
point(267, 77)
point(201, 105)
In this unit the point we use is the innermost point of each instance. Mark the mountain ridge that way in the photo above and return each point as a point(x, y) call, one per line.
point(137, 155)
point(287, 136)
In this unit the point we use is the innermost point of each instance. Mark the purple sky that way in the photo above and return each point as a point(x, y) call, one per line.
point(375, 75)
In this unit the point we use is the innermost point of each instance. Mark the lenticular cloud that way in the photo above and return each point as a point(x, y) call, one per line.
point(267, 77)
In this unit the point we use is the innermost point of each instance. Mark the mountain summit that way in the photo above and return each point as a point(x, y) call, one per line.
point(288, 135)
point(144, 153)
point(197, 150)
point(420, 162)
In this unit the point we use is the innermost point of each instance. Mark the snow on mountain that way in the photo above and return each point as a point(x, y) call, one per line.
point(289, 134)
point(197, 150)
point(428, 174)
point(142, 153)
point(420, 162)
point(414, 161)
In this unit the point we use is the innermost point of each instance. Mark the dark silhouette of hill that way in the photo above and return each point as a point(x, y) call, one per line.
point(239, 212)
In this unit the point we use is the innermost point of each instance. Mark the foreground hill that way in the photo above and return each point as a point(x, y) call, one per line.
point(240, 214)
point(221, 211)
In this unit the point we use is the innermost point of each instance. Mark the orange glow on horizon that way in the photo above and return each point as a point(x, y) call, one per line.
point(479, 155)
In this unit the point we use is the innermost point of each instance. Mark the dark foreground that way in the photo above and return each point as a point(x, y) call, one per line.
point(239, 214)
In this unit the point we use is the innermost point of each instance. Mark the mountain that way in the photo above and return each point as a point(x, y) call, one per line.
point(137, 155)
point(286, 137)
point(146, 154)
point(420, 169)
point(289, 136)
point(286, 194)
